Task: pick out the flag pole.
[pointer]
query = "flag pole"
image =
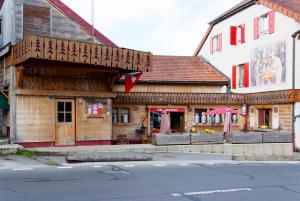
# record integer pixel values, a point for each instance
(93, 29)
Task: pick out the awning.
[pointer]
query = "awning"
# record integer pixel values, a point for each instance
(3, 102)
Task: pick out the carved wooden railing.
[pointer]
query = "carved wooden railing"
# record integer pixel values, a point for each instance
(273, 97)
(54, 49)
(179, 98)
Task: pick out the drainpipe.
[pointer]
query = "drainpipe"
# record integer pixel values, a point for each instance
(293, 88)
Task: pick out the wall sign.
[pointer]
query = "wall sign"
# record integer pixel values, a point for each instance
(167, 110)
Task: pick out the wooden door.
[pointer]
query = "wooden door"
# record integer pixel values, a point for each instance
(65, 123)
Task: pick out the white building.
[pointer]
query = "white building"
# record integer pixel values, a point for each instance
(252, 44)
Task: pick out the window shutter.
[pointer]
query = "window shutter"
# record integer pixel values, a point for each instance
(243, 34)
(256, 28)
(246, 75)
(220, 42)
(233, 30)
(233, 76)
(271, 22)
(211, 45)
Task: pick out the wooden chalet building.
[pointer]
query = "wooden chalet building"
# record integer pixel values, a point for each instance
(57, 82)
(257, 45)
(185, 86)
(61, 87)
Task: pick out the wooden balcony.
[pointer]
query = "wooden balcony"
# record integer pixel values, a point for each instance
(70, 51)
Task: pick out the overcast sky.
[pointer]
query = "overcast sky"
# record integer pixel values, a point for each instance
(168, 27)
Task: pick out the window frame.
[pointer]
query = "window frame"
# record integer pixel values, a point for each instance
(263, 24)
(241, 71)
(197, 110)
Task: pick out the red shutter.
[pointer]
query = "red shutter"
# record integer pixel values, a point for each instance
(271, 22)
(211, 45)
(233, 30)
(220, 42)
(246, 75)
(256, 28)
(233, 76)
(243, 34)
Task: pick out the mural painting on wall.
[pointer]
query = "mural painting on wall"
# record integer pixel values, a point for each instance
(268, 64)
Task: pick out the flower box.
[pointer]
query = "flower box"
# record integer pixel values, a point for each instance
(277, 137)
(203, 138)
(171, 139)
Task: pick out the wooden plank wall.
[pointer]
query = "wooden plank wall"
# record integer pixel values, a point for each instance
(91, 128)
(285, 113)
(137, 113)
(35, 119)
(170, 88)
(61, 83)
(36, 20)
(61, 26)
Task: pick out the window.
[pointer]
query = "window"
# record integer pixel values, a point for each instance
(125, 115)
(199, 117)
(241, 71)
(240, 76)
(64, 112)
(216, 43)
(121, 115)
(234, 118)
(95, 108)
(264, 24)
(115, 115)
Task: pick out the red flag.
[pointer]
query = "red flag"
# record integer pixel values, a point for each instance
(130, 80)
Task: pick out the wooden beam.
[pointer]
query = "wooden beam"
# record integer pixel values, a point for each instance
(63, 93)
(19, 76)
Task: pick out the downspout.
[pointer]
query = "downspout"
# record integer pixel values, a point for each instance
(293, 88)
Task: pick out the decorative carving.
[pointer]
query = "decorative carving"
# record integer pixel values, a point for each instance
(80, 52)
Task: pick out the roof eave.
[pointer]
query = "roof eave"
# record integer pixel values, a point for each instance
(232, 12)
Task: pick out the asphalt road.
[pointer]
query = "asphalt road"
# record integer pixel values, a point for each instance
(153, 182)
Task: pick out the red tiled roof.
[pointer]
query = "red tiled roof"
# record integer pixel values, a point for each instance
(182, 69)
(74, 16)
(290, 8)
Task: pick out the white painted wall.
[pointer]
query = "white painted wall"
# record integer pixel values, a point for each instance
(297, 125)
(297, 62)
(6, 13)
(241, 53)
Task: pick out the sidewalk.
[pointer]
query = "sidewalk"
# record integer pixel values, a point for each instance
(260, 149)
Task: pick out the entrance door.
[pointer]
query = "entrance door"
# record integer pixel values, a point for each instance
(65, 124)
(177, 121)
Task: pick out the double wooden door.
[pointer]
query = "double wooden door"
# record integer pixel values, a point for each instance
(65, 122)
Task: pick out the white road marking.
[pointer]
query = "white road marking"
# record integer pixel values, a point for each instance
(97, 166)
(22, 169)
(212, 192)
(159, 165)
(184, 164)
(65, 167)
(129, 165)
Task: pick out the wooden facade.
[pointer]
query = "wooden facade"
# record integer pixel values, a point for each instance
(76, 52)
